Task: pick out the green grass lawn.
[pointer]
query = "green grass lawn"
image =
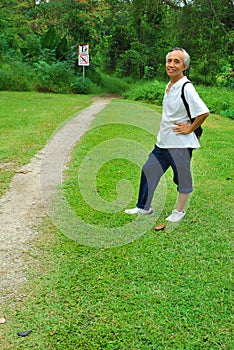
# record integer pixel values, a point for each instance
(165, 290)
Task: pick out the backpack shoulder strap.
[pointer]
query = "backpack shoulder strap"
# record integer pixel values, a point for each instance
(184, 99)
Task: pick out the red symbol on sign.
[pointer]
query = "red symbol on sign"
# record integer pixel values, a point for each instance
(83, 60)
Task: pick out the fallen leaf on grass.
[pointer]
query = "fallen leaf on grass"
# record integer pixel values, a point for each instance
(53, 333)
(2, 320)
(160, 227)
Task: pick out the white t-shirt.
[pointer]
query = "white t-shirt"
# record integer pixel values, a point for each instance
(174, 111)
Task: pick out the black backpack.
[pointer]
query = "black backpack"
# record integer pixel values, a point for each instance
(199, 130)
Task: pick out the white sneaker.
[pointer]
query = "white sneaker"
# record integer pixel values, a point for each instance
(139, 211)
(176, 216)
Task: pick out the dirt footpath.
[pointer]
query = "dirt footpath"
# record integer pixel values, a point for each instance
(21, 208)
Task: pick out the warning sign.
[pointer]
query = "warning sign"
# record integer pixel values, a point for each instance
(83, 60)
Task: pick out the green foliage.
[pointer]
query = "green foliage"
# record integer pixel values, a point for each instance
(149, 73)
(50, 39)
(16, 76)
(147, 91)
(127, 38)
(52, 43)
(226, 75)
(219, 101)
(212, 71)
(78, 21)
(92, 73)
(113, 85)
(204, 29)
(136, 36)
(55, 77)
(62, 49)
(228, 113)
(226, 79)
(31, 48)
(129, 64)
(82, 86)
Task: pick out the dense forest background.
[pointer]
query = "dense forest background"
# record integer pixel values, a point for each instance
(128, 40)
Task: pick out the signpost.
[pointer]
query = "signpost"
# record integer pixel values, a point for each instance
(83, 56)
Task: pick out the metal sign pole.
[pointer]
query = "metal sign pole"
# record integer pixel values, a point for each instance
(83, 73)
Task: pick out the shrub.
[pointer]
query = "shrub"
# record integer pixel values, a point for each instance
(150, 92)
(226, 74)
(82, 86)
(219, 101)
(113, 85)
(92, 73)
(228, 113)
(226, 79)
(16, 76)
(56, 77)
(6, 80)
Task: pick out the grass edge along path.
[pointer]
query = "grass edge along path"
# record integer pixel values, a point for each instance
(163, 291)
(28, 119)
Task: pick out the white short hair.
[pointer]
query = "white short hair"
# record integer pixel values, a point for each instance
(186, 55)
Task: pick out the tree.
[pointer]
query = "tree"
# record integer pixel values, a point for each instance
(135, 36)
(14, 25)
(126, 37)
(205, 29)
